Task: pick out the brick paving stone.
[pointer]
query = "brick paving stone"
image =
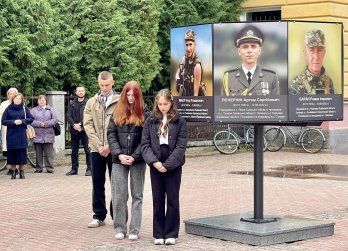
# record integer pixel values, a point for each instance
(51, 211)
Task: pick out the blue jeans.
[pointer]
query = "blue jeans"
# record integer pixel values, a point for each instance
(75, 143)
(99, 166)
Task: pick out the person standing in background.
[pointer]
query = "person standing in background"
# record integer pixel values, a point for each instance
(75, 120)
(10, 94)
(44, 120)
(96, 118)
(16, 117)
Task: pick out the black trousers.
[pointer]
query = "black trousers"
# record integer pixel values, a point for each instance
(165, 194)
(99, 166)
(75, 143)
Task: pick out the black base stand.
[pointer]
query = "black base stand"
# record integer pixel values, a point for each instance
(285, 229)
(252, 229)
(258, 221)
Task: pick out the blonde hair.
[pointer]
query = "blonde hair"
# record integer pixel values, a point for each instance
(14, 89)
(105, 75)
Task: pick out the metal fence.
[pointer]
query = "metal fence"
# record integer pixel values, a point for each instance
(198, 131)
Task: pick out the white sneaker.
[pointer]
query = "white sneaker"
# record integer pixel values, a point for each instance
(158, 242)
(96, 223)
(119, 236)
(132, 237)
(170, 241)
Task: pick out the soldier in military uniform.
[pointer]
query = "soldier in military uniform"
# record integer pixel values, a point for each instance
(249, 78)
(190, 72)
(313, 81)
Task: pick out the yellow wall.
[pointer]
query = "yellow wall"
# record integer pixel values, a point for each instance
(310, 10)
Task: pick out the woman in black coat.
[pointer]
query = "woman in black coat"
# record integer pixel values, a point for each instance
(163, 148)
(16, 117)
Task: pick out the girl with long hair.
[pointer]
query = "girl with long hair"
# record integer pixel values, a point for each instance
(163, 148)
(124, 137)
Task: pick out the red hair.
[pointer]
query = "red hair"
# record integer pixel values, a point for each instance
(124, 113)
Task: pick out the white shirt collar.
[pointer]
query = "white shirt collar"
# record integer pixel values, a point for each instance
(109, 98)
(252, 71)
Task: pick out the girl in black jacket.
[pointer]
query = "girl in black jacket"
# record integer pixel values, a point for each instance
(124, 137)
(163, 148)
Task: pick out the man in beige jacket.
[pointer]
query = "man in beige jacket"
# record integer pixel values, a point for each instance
(97, 114)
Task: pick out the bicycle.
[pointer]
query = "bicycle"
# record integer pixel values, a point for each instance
(228, 141)
(31, 157)
(311, 139)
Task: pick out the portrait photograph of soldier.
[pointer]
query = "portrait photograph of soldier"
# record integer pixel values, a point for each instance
(312, 46)
(191, 61)
(250, 59)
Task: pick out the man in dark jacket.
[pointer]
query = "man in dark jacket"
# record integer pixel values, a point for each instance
(75, 120)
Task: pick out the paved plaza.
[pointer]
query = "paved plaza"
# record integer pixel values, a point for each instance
(51, 211)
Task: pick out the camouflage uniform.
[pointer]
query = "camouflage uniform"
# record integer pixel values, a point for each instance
(307, 83)
(185, 83)
(264, 82)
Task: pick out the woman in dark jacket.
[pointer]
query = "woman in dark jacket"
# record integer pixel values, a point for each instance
(16, 117)
(124, 137)
(163, 148)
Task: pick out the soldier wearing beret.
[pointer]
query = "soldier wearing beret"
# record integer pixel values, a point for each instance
(313, 81)
(249, 78)
(190, 72)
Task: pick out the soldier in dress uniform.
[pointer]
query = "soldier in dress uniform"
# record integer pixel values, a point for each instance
(249, 78)
(190, 72)
(313, 81)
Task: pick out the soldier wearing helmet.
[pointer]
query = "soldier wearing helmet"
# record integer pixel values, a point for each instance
(249, 78)
(313, 81)
(190, 72)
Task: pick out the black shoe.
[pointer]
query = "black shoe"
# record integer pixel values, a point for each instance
(50, 171)
(10, 171)
(21, 174)
(13, 175)
(38, 171)
(88, 173)
(71, 172)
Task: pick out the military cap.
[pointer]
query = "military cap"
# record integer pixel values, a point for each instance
(314, 38)
(190, 35)
(249, 34)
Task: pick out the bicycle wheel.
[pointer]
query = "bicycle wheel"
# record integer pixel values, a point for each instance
(250, 138)
(312, 140)
(3, 163)
(226, 142)
(31, 155)
(275, 138)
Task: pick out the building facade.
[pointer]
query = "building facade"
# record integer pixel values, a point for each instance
(311, 10)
